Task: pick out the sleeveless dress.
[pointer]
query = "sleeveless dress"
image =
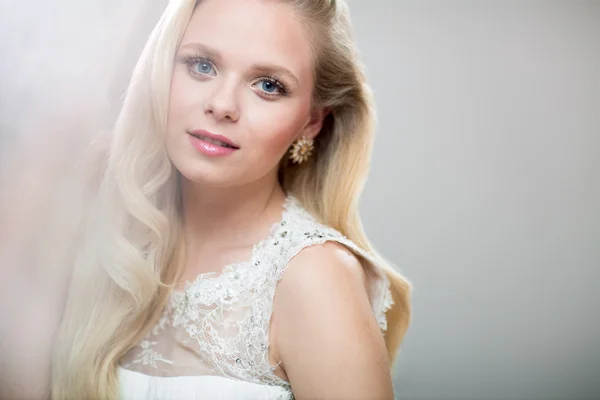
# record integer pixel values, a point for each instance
(212, 339)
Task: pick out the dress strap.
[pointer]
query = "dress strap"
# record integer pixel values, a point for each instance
(302, 230)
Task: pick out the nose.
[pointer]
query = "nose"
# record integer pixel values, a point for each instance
(222, 104)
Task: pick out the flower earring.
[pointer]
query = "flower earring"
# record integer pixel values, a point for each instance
(302, 149)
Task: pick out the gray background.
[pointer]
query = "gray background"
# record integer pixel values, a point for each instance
(485, 191)
(485, 181)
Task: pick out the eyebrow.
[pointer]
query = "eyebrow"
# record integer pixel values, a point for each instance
(275, 70)
(259, 68)
(211, 53)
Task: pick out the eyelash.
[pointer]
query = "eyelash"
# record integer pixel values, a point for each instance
(191, 59)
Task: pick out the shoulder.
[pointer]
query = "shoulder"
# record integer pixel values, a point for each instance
(326, 335)
(324, 284)
(317, 266)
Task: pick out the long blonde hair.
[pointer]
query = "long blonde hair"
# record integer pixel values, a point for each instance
(131, 254)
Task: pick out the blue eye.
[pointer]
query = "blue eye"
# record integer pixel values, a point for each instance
(271, 87)
(203, 67)
(268, 86)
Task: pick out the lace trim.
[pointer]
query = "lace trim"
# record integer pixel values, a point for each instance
(324, 234)
(234, 270)
(225, 318)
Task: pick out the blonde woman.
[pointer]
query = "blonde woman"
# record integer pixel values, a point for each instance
(224, 257)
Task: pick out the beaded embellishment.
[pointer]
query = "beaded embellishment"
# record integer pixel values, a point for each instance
(220, 323)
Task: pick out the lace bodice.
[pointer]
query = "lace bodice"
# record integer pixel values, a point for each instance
(219, 324)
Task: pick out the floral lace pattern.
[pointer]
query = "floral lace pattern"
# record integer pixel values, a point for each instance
(219, 324)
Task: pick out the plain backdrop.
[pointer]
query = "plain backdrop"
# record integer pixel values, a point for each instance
(485, 181)
(485, 191)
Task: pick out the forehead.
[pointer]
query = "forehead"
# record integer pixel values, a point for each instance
(252, 31)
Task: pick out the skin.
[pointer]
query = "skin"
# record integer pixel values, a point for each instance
(321, 308)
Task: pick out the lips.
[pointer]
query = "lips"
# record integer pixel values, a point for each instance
(217, 140)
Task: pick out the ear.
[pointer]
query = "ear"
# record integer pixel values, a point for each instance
(315, 122)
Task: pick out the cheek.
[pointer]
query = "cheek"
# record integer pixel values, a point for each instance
(183, 98)
(275, 128)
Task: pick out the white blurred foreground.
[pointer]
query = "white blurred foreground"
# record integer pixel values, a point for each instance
(63, 69)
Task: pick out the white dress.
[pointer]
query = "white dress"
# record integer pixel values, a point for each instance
(212, 339)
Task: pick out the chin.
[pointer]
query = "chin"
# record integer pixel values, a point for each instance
(210, 177)
(217, 173)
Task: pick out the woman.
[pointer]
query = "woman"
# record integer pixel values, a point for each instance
(226, 258)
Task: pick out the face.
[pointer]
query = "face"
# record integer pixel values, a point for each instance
(240, 92)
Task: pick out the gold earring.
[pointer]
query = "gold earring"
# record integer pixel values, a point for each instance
(302, 149)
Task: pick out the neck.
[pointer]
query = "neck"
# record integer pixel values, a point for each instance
(232, 214)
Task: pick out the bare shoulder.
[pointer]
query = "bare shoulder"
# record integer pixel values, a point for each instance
(324, 264)
(325, 333)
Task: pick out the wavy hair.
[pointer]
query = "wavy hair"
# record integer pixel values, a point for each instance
(131, 253)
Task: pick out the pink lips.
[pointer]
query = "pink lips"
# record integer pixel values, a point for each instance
(211, 144)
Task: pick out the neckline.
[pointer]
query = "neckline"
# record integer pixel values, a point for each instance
(231, 268)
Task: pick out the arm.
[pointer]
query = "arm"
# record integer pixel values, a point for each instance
(325, 334)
